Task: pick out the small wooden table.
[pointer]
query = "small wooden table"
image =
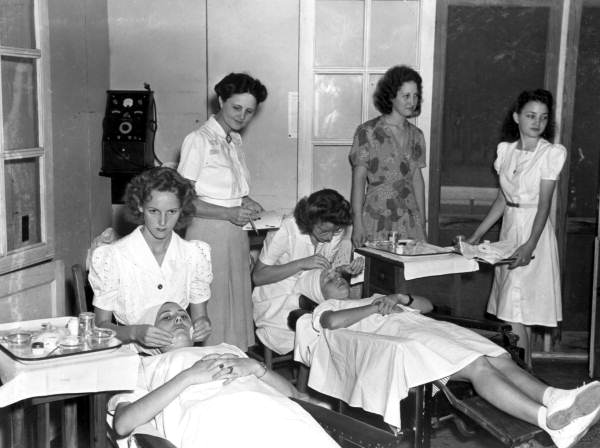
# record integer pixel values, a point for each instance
(40, 382)
(385, 275)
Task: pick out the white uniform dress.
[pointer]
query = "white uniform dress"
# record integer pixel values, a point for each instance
(218, 169)
(273, 302)
(528, 294)
(127, 279)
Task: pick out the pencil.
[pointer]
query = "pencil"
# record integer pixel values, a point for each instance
(253, 226)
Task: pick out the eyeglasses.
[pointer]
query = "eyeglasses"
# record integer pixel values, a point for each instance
(336, 230)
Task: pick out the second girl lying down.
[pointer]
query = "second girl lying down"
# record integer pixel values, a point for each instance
(412, 349)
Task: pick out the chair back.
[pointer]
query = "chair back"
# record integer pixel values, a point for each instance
(79, 281)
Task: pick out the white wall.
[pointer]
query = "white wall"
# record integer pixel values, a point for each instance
(183, 47)
(162, 43)
(254, 36)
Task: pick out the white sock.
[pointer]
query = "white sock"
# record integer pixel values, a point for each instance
(541, 417)
(551, 394)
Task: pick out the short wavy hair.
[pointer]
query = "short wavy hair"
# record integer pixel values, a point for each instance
(510, 129)
(236, 83)
(139, 191)
(388, 86)
(325, 205)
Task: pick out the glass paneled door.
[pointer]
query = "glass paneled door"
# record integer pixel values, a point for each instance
(345, 47)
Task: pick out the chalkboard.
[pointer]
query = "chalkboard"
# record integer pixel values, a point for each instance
(493, 52)
(584, 152)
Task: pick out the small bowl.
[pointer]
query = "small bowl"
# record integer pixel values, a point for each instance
(101, 337)
(71, 343)
(19, 338)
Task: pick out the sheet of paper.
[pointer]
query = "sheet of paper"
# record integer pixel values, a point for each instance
(269, 219)
(358, 278)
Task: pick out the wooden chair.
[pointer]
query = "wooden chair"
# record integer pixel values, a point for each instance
(345, 430)
(99, 401)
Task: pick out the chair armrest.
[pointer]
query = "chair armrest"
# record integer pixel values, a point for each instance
(479, 324)
(343, 428)
(148, 441)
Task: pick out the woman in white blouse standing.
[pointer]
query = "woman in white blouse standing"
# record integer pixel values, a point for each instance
(212, 157)
(153, 265)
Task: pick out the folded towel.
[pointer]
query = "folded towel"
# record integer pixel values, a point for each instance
(489, 252)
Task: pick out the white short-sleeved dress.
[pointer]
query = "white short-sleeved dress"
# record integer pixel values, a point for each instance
(127, 279)
(218, 169)
(528, 294)
(273, 302)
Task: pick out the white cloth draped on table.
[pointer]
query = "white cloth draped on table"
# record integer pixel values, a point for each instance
(373, 363)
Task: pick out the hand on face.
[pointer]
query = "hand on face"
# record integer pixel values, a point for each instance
(314, 262)
(173, 320)
(334, 286)
(202, 329)
(151, 336)
(355, 267)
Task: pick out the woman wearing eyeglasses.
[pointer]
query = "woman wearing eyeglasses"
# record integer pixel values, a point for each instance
(314, 238)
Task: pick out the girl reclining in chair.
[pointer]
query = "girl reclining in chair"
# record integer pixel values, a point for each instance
(211, 396)
(405, 349)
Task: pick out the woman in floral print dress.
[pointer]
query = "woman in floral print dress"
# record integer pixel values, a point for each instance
(387, 156)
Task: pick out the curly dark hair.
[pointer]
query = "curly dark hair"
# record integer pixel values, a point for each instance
(236, 83)
(510, 129)
(139, 191)
(388, 86)
(322, 206)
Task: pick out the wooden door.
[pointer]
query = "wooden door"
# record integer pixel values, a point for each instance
(578, 187)
(486, 53)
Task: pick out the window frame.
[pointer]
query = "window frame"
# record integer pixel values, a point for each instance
(43, 250)
(306, 81)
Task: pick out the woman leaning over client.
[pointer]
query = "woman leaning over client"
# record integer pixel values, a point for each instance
(387, 155)
(527, 292)
(314, 238)
(212, 157)
(152, 264)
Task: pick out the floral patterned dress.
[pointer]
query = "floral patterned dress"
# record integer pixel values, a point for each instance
(391, 154)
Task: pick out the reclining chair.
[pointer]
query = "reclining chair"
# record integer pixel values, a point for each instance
(420, 412)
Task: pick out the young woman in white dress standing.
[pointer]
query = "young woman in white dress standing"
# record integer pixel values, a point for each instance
(527, 291)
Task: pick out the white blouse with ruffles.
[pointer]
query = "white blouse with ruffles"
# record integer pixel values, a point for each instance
(127, 279)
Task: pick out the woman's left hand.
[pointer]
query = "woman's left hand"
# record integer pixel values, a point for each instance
(233, 368)
(386, 304)
(202, 329)
(250, 203)
(355, 267)
(522, 256)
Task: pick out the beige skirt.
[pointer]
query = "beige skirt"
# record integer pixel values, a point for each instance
(230, 305)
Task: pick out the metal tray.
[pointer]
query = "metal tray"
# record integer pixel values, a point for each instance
(24, 352)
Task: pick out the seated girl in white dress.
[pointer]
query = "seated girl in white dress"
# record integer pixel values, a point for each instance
(152, 264)
(211, 396)
(428, 350)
